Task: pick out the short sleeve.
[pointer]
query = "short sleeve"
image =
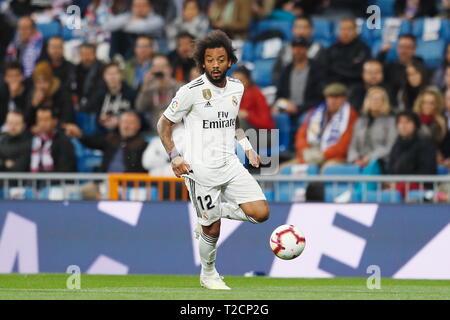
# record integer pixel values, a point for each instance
(180, 105)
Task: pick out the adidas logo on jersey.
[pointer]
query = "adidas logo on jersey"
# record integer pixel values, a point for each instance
(208, 105)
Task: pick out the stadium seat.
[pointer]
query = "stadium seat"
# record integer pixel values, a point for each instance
(419, 26)
(283, 124)
(386, 7)
(341, 169)
(49, 30)
(286, 191)
(323, 31)
(340, 193)
(442, 170)
(87, 122)
(431, 51)
(20, 193)
(262, 72)
(385, 196)
(247, 51)
(285, 27)
(140, 194)
(87, 159)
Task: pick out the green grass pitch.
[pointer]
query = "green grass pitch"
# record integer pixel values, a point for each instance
(53, 286)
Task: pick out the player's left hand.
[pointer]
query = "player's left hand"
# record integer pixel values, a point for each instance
(253, 158)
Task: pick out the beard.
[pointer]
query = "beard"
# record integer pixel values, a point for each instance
(216, 79)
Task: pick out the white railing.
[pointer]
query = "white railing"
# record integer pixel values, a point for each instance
(348, 188)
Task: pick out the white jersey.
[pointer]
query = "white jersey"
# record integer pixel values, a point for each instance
(209, 114)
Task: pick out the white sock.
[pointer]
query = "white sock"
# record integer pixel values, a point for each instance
(234, 212)
(207, 249)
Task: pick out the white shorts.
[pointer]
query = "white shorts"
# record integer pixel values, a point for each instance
(241, 188)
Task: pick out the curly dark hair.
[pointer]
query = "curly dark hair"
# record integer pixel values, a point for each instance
(215, 39)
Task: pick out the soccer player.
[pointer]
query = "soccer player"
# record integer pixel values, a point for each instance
(209, 106)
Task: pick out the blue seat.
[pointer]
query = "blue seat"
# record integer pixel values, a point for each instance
(341, 169)
(442, 170)
(285, 27)
(87, 123)
(431, 51)
(419, 25)
(49, 30)
(323, 31)
(385, 196)
(247, 51)
(87, 159)
(386, 7)
(286, 190)
(377, 34)
(262, 72)
(140, 194)
(283, 124)
(333, 192)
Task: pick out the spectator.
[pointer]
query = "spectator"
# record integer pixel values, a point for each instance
(374, 133)
(231, 16)
(445, 145)
(429, 106)
(372, 76)
(411, 154)
(89, 77)
(62, 69)
(346, 57)
(116, 98)
(440, 76)
(51, 149)
(337, 8)
(262, 8)
(122, 149)
(15, 144)
(285, 10)
(254, 112)
(14, 91)
(192, 21)
(125, 27)
(300, 88)
(6, 37)
(411, 9)
(15, 9)
(416, 81)
(157, 91)
(302, 28)
(395, 71)
(166, 9)
(155, 158)
(325, 135)
(93, 21)
(26, 46)
(136, 67)
(194, 73)
(48, 92)
(181, 58)
(445, 11)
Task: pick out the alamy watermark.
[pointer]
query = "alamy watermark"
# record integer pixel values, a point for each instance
(374, 280)
(73, 282)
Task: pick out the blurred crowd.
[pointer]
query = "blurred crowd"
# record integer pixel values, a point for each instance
(344, 103)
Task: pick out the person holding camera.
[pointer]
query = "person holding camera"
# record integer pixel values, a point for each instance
(157, 91)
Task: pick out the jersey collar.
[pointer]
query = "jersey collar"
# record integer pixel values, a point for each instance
(213, 86)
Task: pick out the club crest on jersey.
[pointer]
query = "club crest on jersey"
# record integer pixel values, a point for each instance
(235, 101)
(207, 94)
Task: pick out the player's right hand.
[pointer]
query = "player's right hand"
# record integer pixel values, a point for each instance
(180, 167)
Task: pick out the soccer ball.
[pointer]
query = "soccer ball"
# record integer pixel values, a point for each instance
(287, 242)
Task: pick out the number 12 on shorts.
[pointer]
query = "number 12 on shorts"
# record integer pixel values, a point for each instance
(207, 200)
